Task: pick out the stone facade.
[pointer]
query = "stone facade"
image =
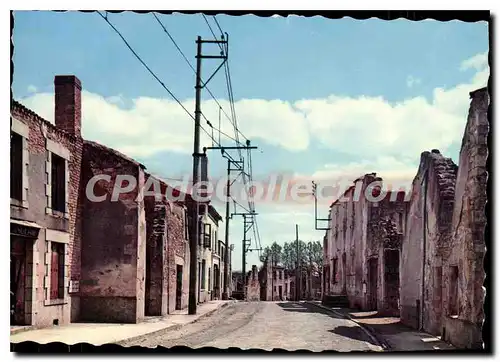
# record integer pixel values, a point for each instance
(444, 246)
(362, 246)
(45, 227)
(276, 283)
(112, 288)
(425, 242)
(253, 285)
(167, 252)
(114, 258)
(208, 243)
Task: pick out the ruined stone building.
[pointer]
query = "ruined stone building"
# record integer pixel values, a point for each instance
(80, 249)
(309, 285)
(167, 252)
(362, 246)
(276, 283)
(113, 252)
(443, 250)
(426, 240)
(253, 285)
(45, 233)
(237, 285)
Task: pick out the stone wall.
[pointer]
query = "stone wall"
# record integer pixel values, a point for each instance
(112, 288)
(467, 248)
(426, 241)
(355, 244)
(253, 285)
(40, 140)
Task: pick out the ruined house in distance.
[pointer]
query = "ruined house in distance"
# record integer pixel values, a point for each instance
(443, 251)
(362, 247)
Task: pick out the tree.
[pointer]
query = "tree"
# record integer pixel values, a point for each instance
(272, 254)
(265, 254)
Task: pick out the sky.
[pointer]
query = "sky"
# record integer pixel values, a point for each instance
(320, 98)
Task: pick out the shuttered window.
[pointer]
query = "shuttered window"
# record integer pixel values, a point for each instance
(57, 271)
(58, 183)
(16, 166)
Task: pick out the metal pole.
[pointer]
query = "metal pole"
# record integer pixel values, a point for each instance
(297, 277)
(195, 234)
(243, 257)
(273, 274)
(225, 293)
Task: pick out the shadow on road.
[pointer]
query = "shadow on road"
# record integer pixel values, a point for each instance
(305, 308)
(351, 332)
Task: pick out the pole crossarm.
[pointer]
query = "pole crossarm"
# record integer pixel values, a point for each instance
(316, 219)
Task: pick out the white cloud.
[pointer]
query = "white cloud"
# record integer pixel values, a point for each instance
(478, 62)
(411, 81)
(364, 127)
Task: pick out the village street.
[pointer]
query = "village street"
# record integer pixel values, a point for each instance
(267, 325)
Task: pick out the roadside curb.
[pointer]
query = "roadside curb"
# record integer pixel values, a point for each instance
(172, 327)
(21, 330)
(370, 332)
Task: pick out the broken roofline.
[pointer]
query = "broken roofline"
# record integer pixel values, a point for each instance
(374, 191)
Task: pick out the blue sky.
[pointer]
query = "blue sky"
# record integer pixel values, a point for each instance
(317, 96)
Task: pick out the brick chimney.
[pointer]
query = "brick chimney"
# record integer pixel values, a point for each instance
(68, 104)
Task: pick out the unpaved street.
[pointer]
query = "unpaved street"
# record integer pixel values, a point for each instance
(267, 325)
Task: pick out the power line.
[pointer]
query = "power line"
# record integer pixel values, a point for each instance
(218, 25)
(225, 134)
(249, 159)
(144, 64)
(173, 41)
(236, 130)
(192, 68)
(153, 74)
(210, 27)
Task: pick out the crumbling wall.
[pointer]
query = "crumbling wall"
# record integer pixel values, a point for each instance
(467, 247)
(113, 245)
(253, 285)
(425, 241)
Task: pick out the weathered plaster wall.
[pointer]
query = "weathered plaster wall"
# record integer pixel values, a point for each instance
(113, 252)
(467, 247)
(253, 285)
(39, 312)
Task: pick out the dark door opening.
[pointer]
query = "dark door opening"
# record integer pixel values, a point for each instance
(216, 282)
(392, 281)
(344, 274)
(372, 283)
(280, 291)
(178, 288)
(17, 281)
(154, 277)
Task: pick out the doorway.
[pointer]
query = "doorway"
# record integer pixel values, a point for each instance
(372, 283)
(392, 280)
(178, 288)
(216, 282)
(344, 274)
(280, 291)
(17, 281)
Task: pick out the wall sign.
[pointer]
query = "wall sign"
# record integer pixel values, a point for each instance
(24, 231)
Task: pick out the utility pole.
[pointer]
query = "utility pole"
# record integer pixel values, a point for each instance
(247, 225)
(297, 275)
(195, 232)
(237, 167)
(225, 293)
(314, 193)
(272, 277)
